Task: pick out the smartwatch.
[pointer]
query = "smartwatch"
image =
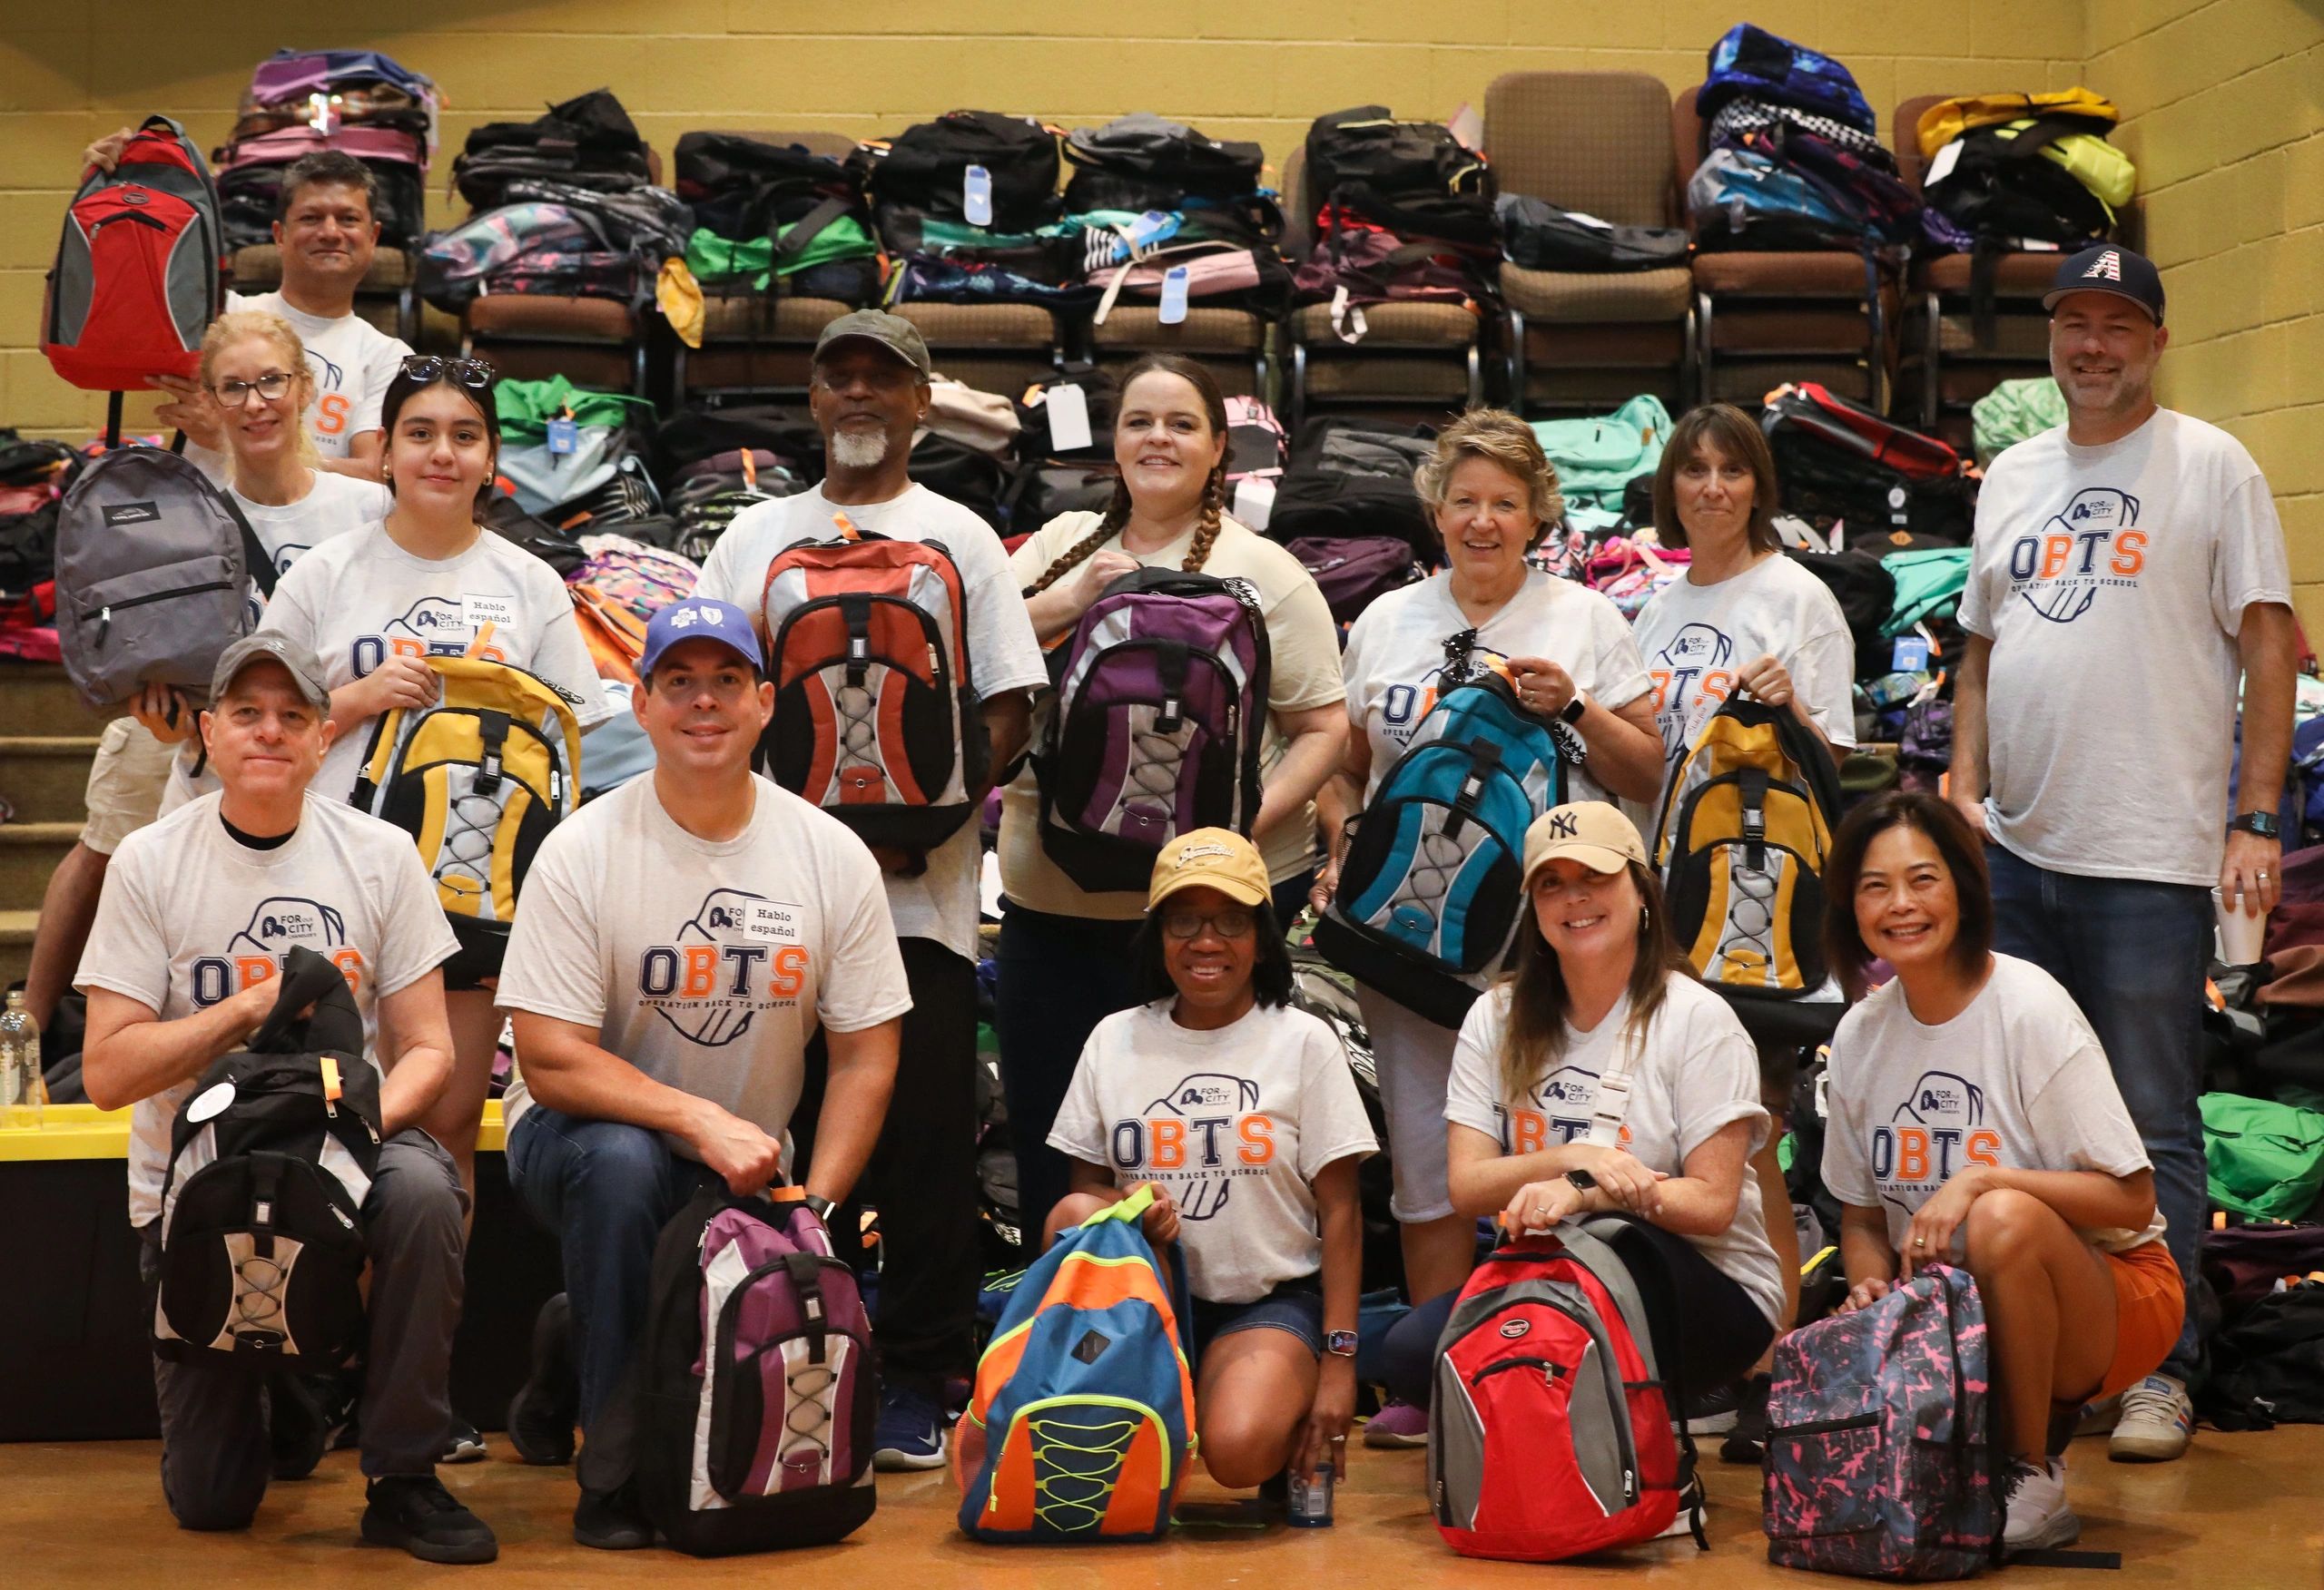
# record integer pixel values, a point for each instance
(1583, 1181)
(819, 1205)
(1340, 1343)
(2262, 823)
(1572, 713)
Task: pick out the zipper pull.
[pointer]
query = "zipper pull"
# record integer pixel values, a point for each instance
(935, 664)
(104, 622)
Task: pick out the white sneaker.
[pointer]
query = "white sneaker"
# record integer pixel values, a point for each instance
(1690, 1502)
(2035, 1516)
(2156, 1424)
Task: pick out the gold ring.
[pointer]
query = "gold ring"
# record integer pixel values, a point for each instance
(1920, 1242)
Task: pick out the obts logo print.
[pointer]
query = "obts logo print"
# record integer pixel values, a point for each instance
(737, 955)
(2091, 543)
(276, 927)
(1937, 1128)
(1206, 1130)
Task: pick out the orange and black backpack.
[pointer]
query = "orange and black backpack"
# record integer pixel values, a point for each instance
(876, 716)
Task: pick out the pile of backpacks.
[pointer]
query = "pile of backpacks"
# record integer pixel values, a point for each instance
(564, 204)
(360, 103)
(1396, 213)
(967, 207)
(776, 219)
(33, 475)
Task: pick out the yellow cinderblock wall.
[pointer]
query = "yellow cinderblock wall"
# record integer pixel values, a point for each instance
(2223, 99)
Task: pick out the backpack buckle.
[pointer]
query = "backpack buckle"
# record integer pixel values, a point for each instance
(488, 774)
(859, 658)
(1167, 721)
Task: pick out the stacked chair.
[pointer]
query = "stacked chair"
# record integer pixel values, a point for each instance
(1599, 297)
(2030, 176)
(360, 103)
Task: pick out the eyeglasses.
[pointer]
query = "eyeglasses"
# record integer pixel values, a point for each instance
(1185, 925)
(1460, 656)
(270, 387)
(473, 372)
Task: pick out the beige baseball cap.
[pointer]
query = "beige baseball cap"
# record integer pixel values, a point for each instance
(1592, 832)
(1214, 858)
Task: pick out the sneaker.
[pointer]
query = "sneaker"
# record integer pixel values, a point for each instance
(546, 1406)
(1747, 1441)
(1690, 1507)
(465, 1447)
(2156, 1424)
(611, 1521)
(1713, 1412)
(1397, 1424)
(2099, 1417)
(295, 1430)
(2034, 1515)
(910, 1433)
(416, 1513)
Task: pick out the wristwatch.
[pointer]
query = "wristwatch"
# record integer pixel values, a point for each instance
(820, 1205)
(1583, 1181)
(1572, 710)
(1340, 1343)
(2262, 823)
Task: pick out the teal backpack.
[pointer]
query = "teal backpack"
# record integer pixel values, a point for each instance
(1596, 458)
(1082, 1426)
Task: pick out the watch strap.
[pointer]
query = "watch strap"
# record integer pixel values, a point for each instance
(1340, 1343)
(820, 1206)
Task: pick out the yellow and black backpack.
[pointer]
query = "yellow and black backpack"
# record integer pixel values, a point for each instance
(478, 777)
(1745, 827)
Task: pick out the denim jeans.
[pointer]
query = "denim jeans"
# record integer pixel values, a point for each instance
(606, 1189)
(2133, 955)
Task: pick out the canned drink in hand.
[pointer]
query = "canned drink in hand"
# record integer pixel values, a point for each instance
(1308, 1505)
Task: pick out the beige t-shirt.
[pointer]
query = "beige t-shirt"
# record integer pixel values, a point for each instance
(1303, 652)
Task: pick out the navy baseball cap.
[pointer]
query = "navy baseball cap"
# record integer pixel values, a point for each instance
(2110, 268)
(701, 618)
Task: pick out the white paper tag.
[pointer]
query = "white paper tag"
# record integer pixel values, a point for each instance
(480, 611)
(1254, 502)
(212, 1101)
(1174, 296)
(771, 921)
(1069, 410)
(976, 196)
(1941, 166)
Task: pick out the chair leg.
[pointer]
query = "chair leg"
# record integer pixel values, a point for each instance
(1932, 387)
(1688, 395)
(1515, 363)
(1476, 376)
(1298, 387)
(1703, 358)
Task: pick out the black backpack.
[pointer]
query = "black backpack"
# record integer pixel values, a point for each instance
(1141, 162)
(1415, 178)
(1537, 235)
(588, 141)
(1838, 459)
(1351, 478)
(2001, 188)
(1099, 394)
(1867, 593)
(978, 481)
(743, 186)
(925, 167)
(270, 1158)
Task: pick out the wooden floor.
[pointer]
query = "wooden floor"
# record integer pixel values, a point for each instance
(2241, 1512)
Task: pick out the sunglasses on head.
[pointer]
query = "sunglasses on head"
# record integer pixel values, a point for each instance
(472, 373)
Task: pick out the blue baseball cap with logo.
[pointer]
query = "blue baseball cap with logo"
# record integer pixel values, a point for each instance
(701, 618)
(2109, 268)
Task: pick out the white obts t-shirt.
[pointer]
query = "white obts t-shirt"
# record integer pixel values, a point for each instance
(359, 597)
(2016, 1080)
(1695, 1072)
(1235, 1123)
(941, 903)
(351, 362)
(708, 966)
(2111, 581)
(1394, 664)
(191, 915)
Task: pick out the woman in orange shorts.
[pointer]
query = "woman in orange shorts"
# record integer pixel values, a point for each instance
(1974, 1121)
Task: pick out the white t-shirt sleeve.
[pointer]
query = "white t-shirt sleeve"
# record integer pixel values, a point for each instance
(1715, 1080)
(1472, 1093)
(1824, 671)
(1332, 1122)
(555, 965)
(2249, 564)
(1001, 647)
(1618, 672)
(1353, 665)
(1846, 1172)
(1976, 614)
(291, 611)
(2078, 1116)
(863, 983)
(383, 356)
(414, 937)
(125, 953)
(1079, 1130)
(718, 579)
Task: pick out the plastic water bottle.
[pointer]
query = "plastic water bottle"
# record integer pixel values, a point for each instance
(23, 1090)
(1308, 1504)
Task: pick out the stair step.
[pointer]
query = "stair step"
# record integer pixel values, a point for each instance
(16, 945)
(29, 852)
(46, 777)
(36, 698)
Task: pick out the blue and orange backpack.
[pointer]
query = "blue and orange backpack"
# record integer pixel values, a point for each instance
(1082, 1426)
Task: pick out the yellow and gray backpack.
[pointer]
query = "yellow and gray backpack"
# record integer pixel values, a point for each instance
(1746, 828)
(478, 777)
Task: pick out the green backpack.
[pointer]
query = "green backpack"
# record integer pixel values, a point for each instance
(1596, 458)
(2013, 411)
(2266, 1159)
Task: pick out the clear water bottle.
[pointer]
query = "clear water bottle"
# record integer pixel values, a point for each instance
(1308, 1505)
(21, 1088)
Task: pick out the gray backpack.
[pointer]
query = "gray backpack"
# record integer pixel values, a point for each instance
(152, 567)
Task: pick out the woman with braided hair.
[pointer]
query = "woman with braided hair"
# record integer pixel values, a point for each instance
(1065, 959)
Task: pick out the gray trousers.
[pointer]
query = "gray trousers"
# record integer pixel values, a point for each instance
(215, 1455)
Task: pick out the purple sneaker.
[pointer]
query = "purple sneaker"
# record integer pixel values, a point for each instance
(1397, 1424)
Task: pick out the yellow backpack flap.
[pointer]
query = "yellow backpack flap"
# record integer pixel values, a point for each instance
(1946, 120)
(477, 778)
(2093, 161)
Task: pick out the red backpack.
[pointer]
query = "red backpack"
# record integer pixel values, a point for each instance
(139, 272)
(876, 718)
(1550, 1432)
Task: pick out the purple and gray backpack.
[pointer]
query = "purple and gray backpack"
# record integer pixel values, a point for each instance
(1155, 731)
(758, 1392)
(1880, 1461)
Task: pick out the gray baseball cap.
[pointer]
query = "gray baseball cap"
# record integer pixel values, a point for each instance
(893, 332)
(306, 669)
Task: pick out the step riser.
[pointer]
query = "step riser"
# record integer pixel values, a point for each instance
(24, 870)
(46, 786)
(37, 699)
(16, 962)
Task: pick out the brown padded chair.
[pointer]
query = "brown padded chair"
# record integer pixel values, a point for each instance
(1418, 359)
(1763, 317)
(1599, 143)
(1943, 362)
(387, 296)
(758, 345)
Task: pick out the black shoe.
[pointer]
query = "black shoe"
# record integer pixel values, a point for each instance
(546, 1406)
(295, 1429)
(1713, 1412)
(611, 1520)
(1747, 1441)
(417, 1513)
(464, 1445)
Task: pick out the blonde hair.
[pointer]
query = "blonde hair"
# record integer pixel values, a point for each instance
(1505, 441)
(236, 325)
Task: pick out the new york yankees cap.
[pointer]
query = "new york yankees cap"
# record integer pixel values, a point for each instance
(2110, 268)
(1593, 833)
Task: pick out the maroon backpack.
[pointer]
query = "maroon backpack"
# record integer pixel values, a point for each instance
(139, 271)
